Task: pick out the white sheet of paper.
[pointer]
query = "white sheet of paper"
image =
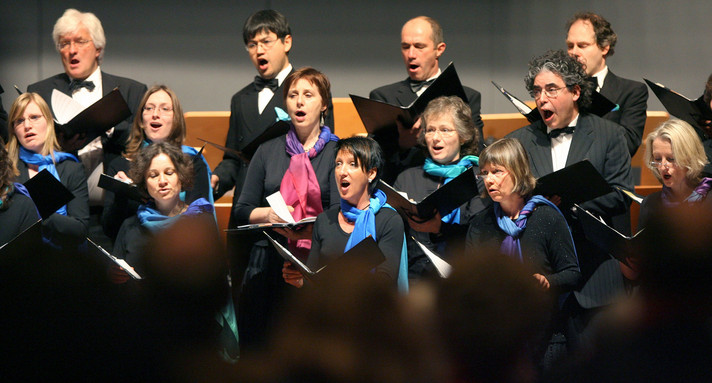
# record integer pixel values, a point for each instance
(127, 268)
(65, 108)
(276, 202)
(443, 268)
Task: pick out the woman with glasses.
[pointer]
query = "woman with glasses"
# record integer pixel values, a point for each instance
(450, 138)
(33, 147)
(299, 165)
(160, 119)
(676, 157)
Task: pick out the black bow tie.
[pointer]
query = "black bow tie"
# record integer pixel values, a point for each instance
(416, 86)
(76, 85)
(557, 132)
(261, 83)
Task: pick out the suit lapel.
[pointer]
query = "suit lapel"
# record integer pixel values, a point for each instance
(61, 83)
(540, 151)
(610, 87)
(108, 83)
(405, 95)
(581, 141)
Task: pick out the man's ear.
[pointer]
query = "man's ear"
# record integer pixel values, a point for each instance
(287, 43)
(440, 49)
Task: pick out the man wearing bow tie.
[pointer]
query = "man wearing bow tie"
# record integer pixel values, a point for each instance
(80, 41)
(421, 46)
(567, 134)
(268, 40)
(591, 40)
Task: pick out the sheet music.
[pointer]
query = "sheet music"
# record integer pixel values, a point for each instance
(276, 202)
(443, 268)
(65, 108)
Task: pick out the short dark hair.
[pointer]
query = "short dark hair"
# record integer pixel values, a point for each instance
(266, 20)
(316, 78)
(707, 96)
(605, 37)
(366, 152)
(568, 68)
(142, 162)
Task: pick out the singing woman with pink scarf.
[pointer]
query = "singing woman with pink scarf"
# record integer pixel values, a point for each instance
(300, 165)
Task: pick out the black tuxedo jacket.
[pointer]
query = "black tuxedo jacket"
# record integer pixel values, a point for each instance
(602, 143)
(131, 90)
(632, 99)
(246, 123)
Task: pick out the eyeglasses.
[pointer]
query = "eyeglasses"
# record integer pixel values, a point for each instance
(160, 109)
(266, 44)
(444, 132)
(33, 119)
(549, 92)
(667, 164)
(63, 45)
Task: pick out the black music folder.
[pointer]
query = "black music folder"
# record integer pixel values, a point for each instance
(575, 183)
(124, 188)
(277, 129)
(47, 193)
(694, 112)
(27, 242)
(93, 248)
(609, 239)
(377, 115)
(600, 105)
(96, 118)
(365, 255)
(445, 199)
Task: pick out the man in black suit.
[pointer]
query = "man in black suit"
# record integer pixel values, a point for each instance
(421, 46)
(268, 40)
(80, 41)
(591, 40)
(566, 134)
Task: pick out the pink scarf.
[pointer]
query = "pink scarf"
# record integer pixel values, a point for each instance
(300, 187)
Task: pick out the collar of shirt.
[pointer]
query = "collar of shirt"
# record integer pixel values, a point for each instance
(601, 77)
(266, 94)
(419, 92)
(85, 97)
(560, 147)
(572, 123)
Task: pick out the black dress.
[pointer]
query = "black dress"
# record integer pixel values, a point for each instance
(450, 241)
(18, 213)
(263, 288)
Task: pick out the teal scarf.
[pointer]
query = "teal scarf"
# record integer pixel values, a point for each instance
(449, 172)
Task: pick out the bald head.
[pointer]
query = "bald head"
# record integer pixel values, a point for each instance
(421, 46)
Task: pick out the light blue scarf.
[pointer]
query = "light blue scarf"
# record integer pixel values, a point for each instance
(365, 225)
(449, 172)
(152, 219)
(46, 162)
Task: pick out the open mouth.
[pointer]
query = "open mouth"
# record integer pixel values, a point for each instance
(413, 67)
(29, 135)
(547, 114)
(74, 61)
(156, 125)
(300, 113)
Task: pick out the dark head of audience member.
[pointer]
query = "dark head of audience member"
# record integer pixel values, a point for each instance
(160, 120)
(492, 316)
(541, 80)
(268, 40)
(162, 171)
(674, 153)
(80, 41)
(449, 131)
(34, 132)
(592, 56)
(348, 328)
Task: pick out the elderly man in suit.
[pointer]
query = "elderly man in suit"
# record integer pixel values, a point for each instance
(80, 41)
(566, 134)
(422, 45)
(591, 40)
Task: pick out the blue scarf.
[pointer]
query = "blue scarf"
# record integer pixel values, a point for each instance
(46, 162)
(365, 225)
(515, 229)
(152, 219)
(189, 150)
(449, 172)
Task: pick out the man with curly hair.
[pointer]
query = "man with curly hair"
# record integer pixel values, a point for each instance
(567, 134)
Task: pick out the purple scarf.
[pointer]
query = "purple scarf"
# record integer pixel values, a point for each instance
(697, 195)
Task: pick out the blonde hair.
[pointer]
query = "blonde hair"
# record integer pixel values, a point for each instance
(686, 148)
(510, 154)
(138, 132)
(16, 111)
